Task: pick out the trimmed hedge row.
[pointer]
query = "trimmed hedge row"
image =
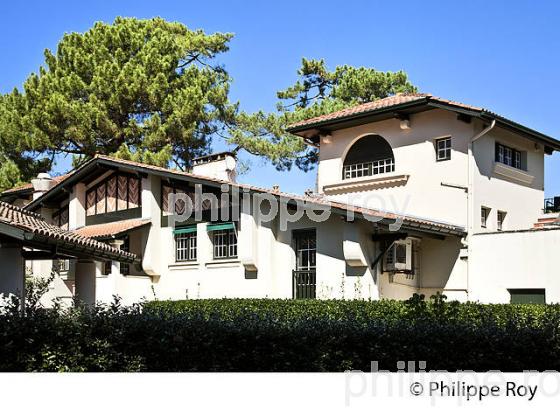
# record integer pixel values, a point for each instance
(282, 335)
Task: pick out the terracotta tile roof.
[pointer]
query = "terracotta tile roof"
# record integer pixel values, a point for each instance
(378, 105)
(409, 221)
(57, 180)
(33, 223)
(112, 228)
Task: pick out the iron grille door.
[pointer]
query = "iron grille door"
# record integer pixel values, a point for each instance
(304, 276)
(304, 284)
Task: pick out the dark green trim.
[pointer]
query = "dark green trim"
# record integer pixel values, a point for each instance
(527, 296)
(220, 226)
(185, 229)
(114, 216)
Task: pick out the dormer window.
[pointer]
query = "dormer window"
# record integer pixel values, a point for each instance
(511, 157)
(370, 155)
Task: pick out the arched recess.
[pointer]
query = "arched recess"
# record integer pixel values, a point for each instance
(370, 155)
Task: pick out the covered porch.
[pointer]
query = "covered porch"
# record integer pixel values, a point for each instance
(25, 236)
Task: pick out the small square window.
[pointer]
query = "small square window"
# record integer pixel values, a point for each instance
(484, 212)
(443, 149)
(500, 220)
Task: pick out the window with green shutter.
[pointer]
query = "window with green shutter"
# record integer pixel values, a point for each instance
(523, 296)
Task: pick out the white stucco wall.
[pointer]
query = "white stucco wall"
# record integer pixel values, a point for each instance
(345, 251)
(423, 195)
(523, 202)
(12, 272)
(510, 260)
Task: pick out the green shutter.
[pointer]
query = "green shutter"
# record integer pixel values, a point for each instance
(220, 226)
(522, 296)
(185, 229)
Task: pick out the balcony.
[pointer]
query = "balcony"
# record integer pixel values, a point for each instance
(552, 205)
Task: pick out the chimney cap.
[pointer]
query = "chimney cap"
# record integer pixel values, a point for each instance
(43, 175)
(213, 157)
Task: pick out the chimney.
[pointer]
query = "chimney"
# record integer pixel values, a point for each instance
(221, 165)
(41, 184)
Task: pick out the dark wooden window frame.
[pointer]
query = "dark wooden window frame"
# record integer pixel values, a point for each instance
(304, 279)
(230, 241)
(515, 154)
(187, 252)
(444, 149)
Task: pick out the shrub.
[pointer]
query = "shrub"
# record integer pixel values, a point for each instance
(282, 335)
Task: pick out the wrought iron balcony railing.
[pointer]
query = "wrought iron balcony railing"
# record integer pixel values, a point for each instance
(552, 205)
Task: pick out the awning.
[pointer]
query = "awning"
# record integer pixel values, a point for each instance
(220, 226)
(185, 229)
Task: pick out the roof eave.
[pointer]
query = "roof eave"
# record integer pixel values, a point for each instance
(482, 114)
(34, 239)
(365, 114)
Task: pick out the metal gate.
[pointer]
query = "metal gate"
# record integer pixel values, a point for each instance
(304, 284)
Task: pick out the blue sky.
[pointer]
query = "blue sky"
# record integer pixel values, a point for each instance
(502, 55)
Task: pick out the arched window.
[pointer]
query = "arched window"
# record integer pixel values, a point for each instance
(370, 155)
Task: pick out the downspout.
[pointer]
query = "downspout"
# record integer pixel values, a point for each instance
(470, 199)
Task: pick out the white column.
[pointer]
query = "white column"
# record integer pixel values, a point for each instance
(247, 246)
(154, 258)
(12, 272)
(77, 207)
(85, 282)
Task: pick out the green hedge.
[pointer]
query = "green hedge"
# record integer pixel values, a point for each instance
(283, 335)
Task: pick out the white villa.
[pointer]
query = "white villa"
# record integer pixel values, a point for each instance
(415, 194)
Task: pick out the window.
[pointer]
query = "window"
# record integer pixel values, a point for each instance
(185, 244)
(443, 149)
(61, 265)
(225, 243)
(500, 220)
(60, 217)
(369, 168)
(531, 296)
(509, 156)
(107, 267)
(370, 155)
(117, 192)
(484, 212)
(125, 267)
(306, 249)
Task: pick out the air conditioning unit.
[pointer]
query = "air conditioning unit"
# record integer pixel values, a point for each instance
(399, 256)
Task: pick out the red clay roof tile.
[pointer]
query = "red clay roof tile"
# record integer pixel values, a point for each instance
(34, 223)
